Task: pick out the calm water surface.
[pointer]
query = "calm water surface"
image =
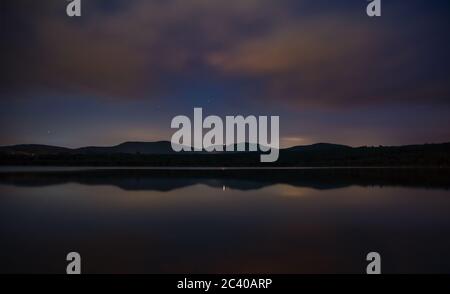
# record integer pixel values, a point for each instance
(137, 221)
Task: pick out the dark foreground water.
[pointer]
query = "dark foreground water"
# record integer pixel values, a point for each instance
(225, 221)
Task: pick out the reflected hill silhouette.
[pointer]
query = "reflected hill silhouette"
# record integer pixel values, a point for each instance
(153, 154)
(240, 179)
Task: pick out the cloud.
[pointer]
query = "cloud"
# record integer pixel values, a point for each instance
(134, 51)
(146, 49)
(334, 61)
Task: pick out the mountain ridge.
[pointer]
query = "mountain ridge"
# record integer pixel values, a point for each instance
(160, 153)
(164, 147)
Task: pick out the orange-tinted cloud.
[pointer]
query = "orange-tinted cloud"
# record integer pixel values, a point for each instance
(333, 61)
(143, 49)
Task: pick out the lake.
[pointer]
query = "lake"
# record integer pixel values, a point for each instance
(132, 220)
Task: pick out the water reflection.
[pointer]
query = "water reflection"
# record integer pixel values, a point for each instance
(169, 179)
(143, 221)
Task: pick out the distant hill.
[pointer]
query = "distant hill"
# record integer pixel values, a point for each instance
(161, 147)
(323, 147)
(33, 149)
(161, 154)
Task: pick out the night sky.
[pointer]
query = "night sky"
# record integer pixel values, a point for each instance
(124, 69)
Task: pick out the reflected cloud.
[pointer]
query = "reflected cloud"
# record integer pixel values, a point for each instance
(240, 179)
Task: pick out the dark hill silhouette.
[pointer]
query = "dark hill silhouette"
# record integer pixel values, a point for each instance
(161, 154)
(33, 149)
(161, 147)
(324, 147)
(170, 179)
